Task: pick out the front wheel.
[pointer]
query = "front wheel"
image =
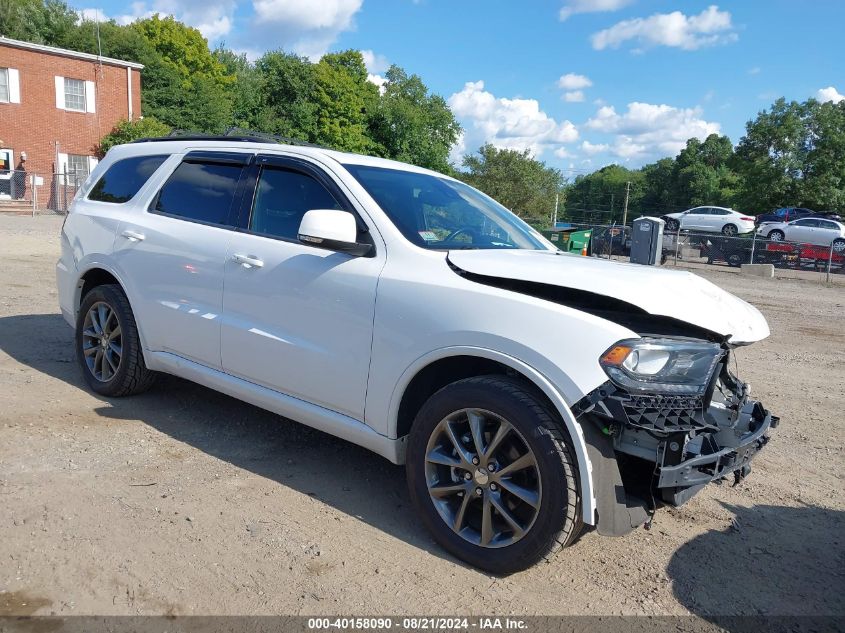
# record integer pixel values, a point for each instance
(730, 230)
(492, 475)
(839, 245)
(672, 225)
(108, 346)
(777, 236)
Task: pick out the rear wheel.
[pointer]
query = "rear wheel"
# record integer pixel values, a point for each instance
(492, 474)
(839, 245)
(777, 235)
(107, 344)
(730, 230)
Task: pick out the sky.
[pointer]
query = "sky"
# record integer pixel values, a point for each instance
(579, 83)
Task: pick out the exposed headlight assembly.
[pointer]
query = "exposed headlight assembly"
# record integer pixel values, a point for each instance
(662, 365)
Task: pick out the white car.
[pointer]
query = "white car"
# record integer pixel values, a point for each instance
(407, 312)
(710, 220)
(818, 231)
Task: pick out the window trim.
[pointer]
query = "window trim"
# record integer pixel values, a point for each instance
(84, 107)
(306, 168)
(209, 158)
(8, 98)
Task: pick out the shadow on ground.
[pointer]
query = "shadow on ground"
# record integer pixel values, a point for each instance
(347, 477)
(759, 565)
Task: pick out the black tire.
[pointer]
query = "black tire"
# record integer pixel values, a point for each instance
(730, 230)
(557, 520)
(776, 235)
(838, 245)
(131, 375)
(672, 225)
(735, 260)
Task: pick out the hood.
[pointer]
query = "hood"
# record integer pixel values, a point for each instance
(675, 294)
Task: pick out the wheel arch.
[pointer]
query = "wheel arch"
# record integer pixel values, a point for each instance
(436, 369)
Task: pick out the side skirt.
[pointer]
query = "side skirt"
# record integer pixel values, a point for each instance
(312, 415)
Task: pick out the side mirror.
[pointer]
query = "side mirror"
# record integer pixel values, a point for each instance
(332, 229)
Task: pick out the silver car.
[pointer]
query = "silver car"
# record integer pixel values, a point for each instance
(818, 231)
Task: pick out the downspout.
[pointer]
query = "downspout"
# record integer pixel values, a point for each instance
(129, 89)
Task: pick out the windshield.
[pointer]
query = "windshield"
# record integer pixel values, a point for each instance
(439, 213)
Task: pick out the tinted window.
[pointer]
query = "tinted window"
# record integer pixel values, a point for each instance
(200, 191)
(807, 222)
(828, 225)
(282, 198)
(125, 178)
(715, 211)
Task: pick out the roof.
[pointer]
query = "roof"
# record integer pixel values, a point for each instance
(63, 52)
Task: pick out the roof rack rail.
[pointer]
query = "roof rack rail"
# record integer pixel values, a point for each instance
(231, 134)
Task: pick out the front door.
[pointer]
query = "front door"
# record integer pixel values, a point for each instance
(802, 231)
(298, 319)
(7, 165)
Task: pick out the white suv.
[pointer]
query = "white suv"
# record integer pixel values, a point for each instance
(528, 391)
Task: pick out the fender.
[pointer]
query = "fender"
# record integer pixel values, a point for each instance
(86, 265)
(576, 433)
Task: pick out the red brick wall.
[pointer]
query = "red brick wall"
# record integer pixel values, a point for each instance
(35, 124)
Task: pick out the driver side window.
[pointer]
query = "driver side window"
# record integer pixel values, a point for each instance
(282, 198)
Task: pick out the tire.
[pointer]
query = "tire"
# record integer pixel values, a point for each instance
(735, 260)
(548, 510)
(730, 230)
(838, 245)
(672, 224)
(777, 235)
(115, 367)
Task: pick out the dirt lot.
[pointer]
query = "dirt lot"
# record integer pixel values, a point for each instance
(184, 501)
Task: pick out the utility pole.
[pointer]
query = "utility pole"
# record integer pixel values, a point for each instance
(625, 208)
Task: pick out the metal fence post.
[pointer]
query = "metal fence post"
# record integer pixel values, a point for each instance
(753, 244)
(677, 243)
(829, 262)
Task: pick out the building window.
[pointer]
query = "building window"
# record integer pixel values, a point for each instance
(4, 85)
(77, 168)
(74, 94)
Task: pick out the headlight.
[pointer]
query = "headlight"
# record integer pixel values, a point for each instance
(657, 365)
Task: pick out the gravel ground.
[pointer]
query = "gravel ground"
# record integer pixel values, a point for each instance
(185, 501)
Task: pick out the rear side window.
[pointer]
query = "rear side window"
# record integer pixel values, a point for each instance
(125, 178)
(282, 198)
(200, 191)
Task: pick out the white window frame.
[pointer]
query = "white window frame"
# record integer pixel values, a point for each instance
(89, 100)
(81, 84)
(7, 98)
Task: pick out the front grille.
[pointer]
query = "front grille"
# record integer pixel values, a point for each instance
(665, 413)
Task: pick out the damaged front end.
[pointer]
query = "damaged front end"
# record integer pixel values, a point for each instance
(653, 442)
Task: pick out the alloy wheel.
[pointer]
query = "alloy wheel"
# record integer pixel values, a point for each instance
(102, 341)
(483, 478)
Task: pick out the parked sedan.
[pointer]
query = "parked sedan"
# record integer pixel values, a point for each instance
(710, 220)
(816, 231)
(787, 214)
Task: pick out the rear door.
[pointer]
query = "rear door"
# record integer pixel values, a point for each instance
(172, 255)
(298, 319)
(827, 232)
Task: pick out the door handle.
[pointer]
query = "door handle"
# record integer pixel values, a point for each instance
(133, 235)
(248, 261)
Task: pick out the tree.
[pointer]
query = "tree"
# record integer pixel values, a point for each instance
(599, 196)
(702, 173)
(521, 183)
(412, 125)
(37, 21)
(128, 131)
(288, 83)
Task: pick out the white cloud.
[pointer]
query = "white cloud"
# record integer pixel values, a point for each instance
(571, 81)
(375, 63)
(647, 130)
(594, 148)
(575, 96)
(517, 124)
(456, 154)
(590, 6)
(708, 28)
(829, 94)
(308, 27)
(212, 18)
(378, 80)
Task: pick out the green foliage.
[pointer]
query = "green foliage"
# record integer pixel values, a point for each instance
(412, 125)
(181, 47)
(128, 131)
(524, 185)
(36, 21)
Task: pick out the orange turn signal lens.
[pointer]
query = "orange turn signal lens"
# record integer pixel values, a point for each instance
(616, 355)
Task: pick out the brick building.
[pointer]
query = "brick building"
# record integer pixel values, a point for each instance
(55, 106)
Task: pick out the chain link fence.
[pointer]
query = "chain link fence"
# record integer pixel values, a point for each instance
(22, 191)
(699, 249)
